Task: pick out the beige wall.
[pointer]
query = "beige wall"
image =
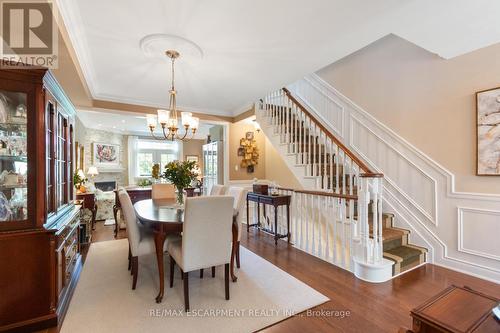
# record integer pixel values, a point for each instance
(236, 132)
(277, 170)
(193, 147)
(427, 100)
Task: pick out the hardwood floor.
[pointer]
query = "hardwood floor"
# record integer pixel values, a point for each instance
(366, 307)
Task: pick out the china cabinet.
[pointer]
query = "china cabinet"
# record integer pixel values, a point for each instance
(39, 224)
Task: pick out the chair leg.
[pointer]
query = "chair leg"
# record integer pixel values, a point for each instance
(129, 257)
(135, 271)
(226, 279)
(201, 273)
(238, 255)
(172, 268)
(213, 271)
(186, 291)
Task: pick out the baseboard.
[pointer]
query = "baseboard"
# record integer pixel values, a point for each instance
(31, 325)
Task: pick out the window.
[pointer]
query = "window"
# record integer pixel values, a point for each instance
(152, 152)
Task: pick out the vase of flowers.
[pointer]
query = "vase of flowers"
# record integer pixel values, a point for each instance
(180, 174)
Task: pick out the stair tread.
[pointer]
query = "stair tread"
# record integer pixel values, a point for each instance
(405, 252)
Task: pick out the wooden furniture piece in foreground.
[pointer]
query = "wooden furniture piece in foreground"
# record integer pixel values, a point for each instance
(88, 202)
(136, 193)
(39, 252)
(456, 309)
(165, 219)
(275, 201)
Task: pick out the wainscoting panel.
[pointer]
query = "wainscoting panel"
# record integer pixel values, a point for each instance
(419, 191)
(473, 221)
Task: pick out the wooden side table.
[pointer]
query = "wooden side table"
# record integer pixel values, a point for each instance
(275, 201)
(89, 202)
(456, 309)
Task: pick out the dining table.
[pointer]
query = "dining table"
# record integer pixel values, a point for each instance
(165, 217)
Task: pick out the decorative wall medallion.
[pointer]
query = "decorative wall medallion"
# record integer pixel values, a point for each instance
(249, 152)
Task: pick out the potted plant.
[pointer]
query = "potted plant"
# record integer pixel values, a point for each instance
(180, 174)
(79, 180)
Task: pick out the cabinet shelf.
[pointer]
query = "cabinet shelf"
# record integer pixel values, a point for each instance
(11, 187)
(12, 158)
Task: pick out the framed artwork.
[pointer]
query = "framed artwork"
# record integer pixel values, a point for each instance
(106, 155)
(243, 142)
(241, 151)
(488, 132)
(192, 158)
(249, 136)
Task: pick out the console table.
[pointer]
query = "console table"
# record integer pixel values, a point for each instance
(88, 202)
(136, 193)
(456, 309)
(275, 201)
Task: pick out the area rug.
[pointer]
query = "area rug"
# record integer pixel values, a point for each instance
(104, 301)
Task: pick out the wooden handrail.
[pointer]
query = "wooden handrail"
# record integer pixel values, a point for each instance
(368, 172)
(321, 193)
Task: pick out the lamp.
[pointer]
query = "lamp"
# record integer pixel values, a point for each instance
(92, 171)
(168, 119)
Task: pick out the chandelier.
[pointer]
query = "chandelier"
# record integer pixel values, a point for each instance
(168, 119)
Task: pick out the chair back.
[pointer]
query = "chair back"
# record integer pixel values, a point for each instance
(218, 189)
(162, 191)
(207, 232)
(239, 195)
(133, 232)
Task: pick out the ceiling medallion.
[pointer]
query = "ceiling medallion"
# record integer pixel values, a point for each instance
(154, 46)
(168, 119)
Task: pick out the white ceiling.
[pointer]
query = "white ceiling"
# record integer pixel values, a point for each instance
(252, 47)
(128, 123)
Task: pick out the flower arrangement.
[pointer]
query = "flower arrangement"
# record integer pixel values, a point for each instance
(181, 174)
(79, 179)
(155, 172)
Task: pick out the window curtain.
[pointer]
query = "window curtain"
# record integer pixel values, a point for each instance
(132, 159)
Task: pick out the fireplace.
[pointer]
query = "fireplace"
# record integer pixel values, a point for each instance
(106, 186)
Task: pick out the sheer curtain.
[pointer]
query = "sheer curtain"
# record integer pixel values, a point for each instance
(132, 159)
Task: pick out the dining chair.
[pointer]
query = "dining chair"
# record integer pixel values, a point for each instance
(140, 238)
(206, 239)
(239, 194)
(218, 189)
(163, 191)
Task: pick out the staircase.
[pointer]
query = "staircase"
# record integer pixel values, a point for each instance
(339, 187)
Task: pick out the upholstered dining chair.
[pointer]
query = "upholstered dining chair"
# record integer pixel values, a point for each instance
(141, 239)
(163, 191)
(239, 194)
(218, 189)
(206, 239)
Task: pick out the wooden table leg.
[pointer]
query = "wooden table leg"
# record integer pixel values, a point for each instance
(275, 225)
(233, 250)
(288, 222)
(115, 214)
(94, 212)
(160, 236)
(248, 217)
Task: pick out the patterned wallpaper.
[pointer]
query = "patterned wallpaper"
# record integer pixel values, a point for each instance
(87, 136)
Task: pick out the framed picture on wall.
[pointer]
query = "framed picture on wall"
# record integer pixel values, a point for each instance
(105, 155)
(192, 158)
(488, 132)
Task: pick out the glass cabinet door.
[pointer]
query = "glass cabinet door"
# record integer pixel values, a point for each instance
(13, 156)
